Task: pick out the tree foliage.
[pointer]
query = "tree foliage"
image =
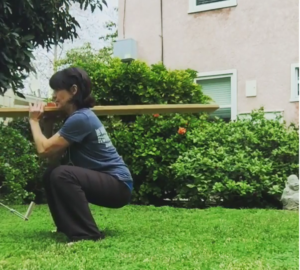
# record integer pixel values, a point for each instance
(88, 54)
(109, 38)
(27, 24)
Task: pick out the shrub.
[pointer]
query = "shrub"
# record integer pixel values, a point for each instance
(18, 165)
(244, 163)
(149, 146)
(34, 186)
(118, 83)
(22, 125)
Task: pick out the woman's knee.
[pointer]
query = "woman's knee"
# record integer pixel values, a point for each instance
(60, 175)
(47, 174)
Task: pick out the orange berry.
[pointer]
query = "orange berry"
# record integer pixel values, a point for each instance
(51, 104)
(181, 131)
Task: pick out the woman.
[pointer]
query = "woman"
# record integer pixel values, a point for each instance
(95, 172)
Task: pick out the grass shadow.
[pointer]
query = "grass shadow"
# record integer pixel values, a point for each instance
(36, 236)
(111, 233)
(40, 236)
(57, 237)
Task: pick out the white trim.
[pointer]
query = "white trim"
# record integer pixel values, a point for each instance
(232, 73)
(294, 94)
(29, 98)
(198, 8)
(246, 115)
(265, 111)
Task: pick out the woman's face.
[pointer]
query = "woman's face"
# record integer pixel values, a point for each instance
(62, 97)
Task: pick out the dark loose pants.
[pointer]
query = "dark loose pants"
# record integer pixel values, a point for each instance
(69, 189)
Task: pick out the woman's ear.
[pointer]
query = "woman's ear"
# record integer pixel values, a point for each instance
(74, 89)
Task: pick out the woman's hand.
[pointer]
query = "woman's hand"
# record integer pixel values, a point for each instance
(36, 111)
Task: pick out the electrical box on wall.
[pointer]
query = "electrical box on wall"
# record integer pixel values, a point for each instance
(251, 88)
(125, 49)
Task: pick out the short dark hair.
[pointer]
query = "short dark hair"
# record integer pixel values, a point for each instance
(66, 78)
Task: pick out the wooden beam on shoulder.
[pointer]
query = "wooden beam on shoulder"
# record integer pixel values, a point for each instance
(123, 109)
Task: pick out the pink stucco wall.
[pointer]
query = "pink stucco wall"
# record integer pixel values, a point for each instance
(257, 38)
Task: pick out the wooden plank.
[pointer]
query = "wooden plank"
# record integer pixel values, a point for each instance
(123, 109)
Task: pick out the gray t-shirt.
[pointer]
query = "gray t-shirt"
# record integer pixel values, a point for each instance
(91, 147)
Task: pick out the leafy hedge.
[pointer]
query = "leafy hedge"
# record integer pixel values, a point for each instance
(118, 83)
(244, 163)
(17, 133)
(149, 145)
(238, 164)
(19, 166)
(241, 163)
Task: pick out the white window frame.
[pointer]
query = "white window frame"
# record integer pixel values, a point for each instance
(193, 8)
(294, 89)
(232, 74)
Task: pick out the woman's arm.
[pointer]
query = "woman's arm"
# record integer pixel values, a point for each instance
(74, 130)
(47, 147)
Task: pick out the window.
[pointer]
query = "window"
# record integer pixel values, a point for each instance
(295, 83)
(221, 87)
(203, 5)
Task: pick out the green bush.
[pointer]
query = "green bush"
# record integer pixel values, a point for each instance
(177, 156)
(22, 125)
(118, 83)
(238, 160)
(149, 146)
(244, 163)
(18, 165)
(35, 185)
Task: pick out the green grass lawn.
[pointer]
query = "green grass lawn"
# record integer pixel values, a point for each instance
(139, 237)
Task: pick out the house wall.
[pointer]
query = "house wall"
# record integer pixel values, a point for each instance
(10, 100)
(7, 100)
(257, 38)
